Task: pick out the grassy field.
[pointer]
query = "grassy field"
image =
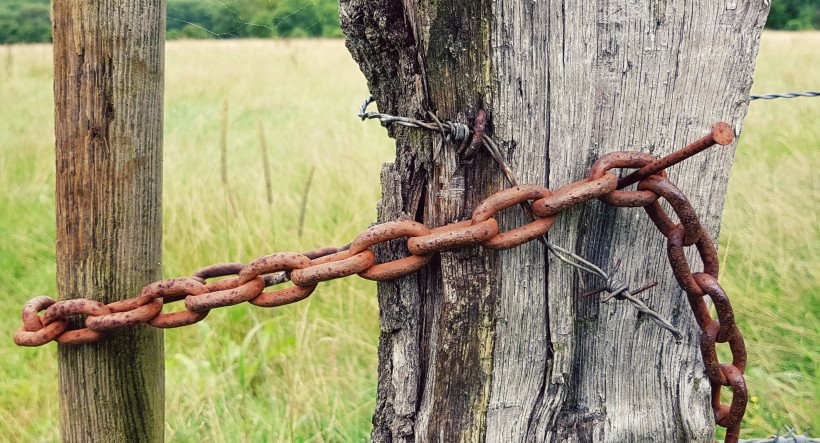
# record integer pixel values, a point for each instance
(307, 371)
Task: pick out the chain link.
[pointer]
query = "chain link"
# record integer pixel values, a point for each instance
(306, 270)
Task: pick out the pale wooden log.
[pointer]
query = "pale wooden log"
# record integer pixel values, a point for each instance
(497, 346)
(108, 89)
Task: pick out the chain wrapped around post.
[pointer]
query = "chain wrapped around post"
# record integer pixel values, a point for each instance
(247, 283)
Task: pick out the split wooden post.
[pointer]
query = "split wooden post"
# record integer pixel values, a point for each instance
(494, 346)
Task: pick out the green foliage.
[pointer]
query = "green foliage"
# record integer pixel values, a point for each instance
(25, 21)
(306, 371)
(302, 372)
(28, 21)
(253, 18)
(794, 15)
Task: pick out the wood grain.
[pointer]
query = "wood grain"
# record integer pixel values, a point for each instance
(486, 346)
(108, 90)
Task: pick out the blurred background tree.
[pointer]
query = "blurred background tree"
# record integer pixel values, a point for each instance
(27, 21)
(794, 15)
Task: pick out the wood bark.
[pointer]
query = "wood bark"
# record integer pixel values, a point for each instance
(498, 346)
(108, 86)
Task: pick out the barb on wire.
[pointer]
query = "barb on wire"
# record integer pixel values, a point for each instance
(452, 131)
(785, 95)
(615, 288)
(460, 132)
(789, 437)
(542, 205)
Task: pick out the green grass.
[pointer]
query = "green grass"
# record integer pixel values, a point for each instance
(307, 371)
(300, 372)
(770, 239)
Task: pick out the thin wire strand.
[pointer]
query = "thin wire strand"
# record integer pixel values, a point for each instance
(460, 132)
(785, 95)
(789, 437)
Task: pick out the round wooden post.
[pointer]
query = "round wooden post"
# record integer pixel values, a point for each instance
(108, 90)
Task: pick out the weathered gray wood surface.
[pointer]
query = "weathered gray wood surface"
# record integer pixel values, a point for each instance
(108, 86)
(497, 346)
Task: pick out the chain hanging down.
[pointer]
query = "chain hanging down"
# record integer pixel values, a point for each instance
(307, 270)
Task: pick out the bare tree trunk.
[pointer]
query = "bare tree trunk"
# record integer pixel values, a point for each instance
(108, 86)
(497, 346)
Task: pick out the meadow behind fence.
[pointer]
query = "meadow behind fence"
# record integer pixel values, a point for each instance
(307, 371)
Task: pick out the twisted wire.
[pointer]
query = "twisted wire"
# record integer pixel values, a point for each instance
(789, 437)
(460, 132)
(785, 95)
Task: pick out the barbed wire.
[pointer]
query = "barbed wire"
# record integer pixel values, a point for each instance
(785, 95)
(789, 437)
(687, 232)
(541, 204)
(460, 132)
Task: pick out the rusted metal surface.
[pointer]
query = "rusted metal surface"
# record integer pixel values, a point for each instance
(40, 336)
(172, 287)
(31, 310)
(286, 261)
(219, 270)
(675, 197)
(177, 319)
(710, 286)
(240, 283)
(454, 236)
(507, 198)
(115, 320)
(386, 232)
(282, 296)
(574, 194)
(221, 285)
(721, 134)
(176, 289)
(225, 297)
(479, 127)
(33, 332)
(67, 308)
(624, 159)
(396, 268)
(323, 270)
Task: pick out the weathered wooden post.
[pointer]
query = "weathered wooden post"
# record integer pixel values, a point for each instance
(108, 90)
(497, 346)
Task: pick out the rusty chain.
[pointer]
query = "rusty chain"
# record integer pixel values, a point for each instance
(306, 270)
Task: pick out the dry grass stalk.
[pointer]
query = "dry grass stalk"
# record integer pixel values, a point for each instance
(305, 193)
(223, 148)
(265, 164)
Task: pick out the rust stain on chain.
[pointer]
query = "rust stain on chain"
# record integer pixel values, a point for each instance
(329, 270)
(308, 269)
(721, 134)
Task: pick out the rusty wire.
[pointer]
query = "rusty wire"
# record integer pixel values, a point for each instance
(307, 270)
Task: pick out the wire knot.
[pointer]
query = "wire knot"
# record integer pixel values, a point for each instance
(458, 131)
(615, 288)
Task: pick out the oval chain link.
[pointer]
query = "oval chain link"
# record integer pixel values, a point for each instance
(506, 199)
(308, 269)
